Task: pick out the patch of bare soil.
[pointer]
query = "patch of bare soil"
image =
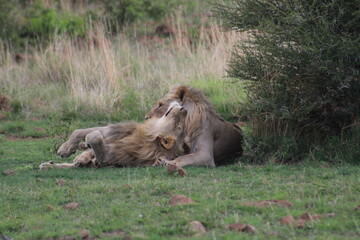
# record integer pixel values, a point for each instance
(117, 234)
(60, 182)
(178, 199)
(114, 233)
(71, 206)
(303, 219)
(280, 203)
(239, 227)
(4, 103)
(19, 138)
(8, 172)
(2, 117)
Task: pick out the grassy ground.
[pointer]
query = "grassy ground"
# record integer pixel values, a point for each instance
(134, 202)
(66, 86)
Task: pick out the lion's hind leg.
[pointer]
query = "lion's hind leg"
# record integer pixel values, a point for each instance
(86, 159)
(52, 165)
(74, 143)
(96, 142)
(69, 147)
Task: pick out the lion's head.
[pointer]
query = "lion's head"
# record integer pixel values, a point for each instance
(197, 105)
(169, 130)
(176, 95)
(209, 137)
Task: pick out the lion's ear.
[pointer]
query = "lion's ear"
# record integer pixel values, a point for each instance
(181, 93)
(167, 142)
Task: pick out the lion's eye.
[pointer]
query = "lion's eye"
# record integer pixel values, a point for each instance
(160, 105)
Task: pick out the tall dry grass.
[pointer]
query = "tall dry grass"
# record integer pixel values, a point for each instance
(118, 76)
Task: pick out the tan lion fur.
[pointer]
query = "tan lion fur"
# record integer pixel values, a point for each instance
(212, 140)
(144, 146)
(138, 145)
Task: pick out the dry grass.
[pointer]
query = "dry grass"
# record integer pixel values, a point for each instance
(105, 76)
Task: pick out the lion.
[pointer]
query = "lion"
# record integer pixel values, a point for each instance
(128, 144)
(212, 140)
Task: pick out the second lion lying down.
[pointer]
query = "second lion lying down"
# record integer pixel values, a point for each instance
(128, 144)
(182, 129)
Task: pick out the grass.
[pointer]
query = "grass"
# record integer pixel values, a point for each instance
(125, 199)
(115, 77)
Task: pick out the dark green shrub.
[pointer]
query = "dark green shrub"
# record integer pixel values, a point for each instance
(302, 63)
(121, 12)
(29, 22)
(43, 24)
(339, 149)
(8, 26)
(16, 106)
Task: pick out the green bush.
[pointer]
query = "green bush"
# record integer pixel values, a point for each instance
(8, 26)
(339, 149)
(47, 23)
(31, 23)
(16, 106)
(121, 12)
(302, 64)
(43, 24)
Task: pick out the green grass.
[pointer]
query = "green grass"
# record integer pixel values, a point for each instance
(124, 199)
(21, 128)
(229, 101)
(50, 127)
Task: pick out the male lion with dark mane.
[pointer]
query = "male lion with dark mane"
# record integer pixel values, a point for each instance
(128, 144)
(212, 140)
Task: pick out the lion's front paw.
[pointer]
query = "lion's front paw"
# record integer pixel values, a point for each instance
(66, 150)
(84, 158)
(47, 165)
(83, 146)
(162, 162)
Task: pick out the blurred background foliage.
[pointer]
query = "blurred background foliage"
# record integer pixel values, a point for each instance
(36, 22)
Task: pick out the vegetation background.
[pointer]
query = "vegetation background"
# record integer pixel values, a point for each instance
(287, 71)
